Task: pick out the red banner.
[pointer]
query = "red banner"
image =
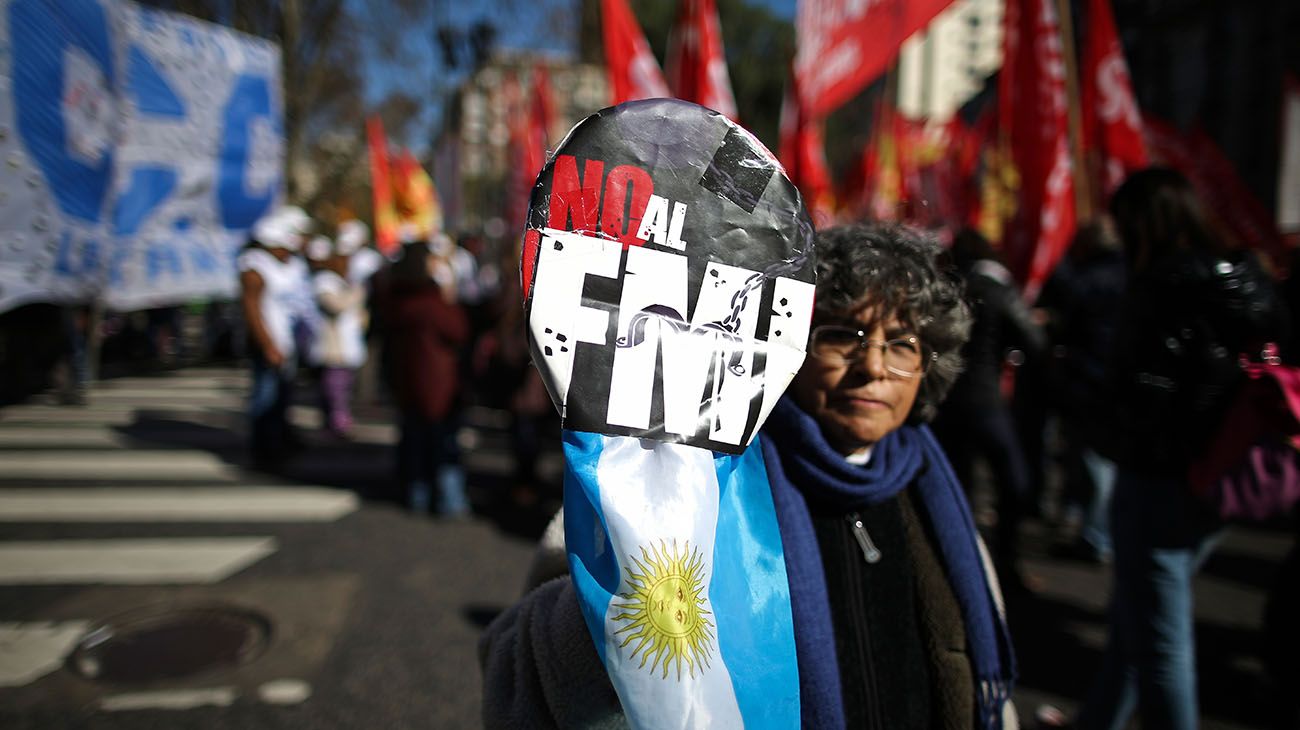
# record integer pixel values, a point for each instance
(1032, 99)
(386, 221)
(1112, 126)
(633, 71)
(803, 154)
(697, 65)
(843, 45)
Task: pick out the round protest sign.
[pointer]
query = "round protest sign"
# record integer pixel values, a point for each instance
(668, 276)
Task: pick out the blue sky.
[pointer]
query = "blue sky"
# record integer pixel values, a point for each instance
(524, 25)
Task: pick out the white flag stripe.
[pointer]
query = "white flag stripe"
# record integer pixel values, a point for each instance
(170, 699)
(184, 504)
(664, 496)
(133, 464)
(32, 650)
(129, 562)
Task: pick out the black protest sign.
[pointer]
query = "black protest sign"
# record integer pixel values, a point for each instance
(668, 275)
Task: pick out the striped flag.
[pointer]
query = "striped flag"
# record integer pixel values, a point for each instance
(677, 559)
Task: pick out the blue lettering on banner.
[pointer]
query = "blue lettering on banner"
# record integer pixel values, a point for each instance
(161, 258)
(43, 34)
(149, 90)
(148, 188)
(249, 101)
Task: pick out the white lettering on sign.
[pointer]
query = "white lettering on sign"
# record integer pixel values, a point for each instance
(657, 226)
(705, 365)
(558, 320)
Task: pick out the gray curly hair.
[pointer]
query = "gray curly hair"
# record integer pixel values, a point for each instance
(896, 271)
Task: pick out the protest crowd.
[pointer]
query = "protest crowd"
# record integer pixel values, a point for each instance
(1072, 355)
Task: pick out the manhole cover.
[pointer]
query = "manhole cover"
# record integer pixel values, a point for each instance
(153, 644)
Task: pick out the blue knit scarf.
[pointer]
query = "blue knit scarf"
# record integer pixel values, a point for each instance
(797, 454)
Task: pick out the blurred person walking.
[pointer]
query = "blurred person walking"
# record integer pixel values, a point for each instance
(277, 303)
(424, 331)
(1193, 306)
(1083, 300)
(976, 420)
(339, 347)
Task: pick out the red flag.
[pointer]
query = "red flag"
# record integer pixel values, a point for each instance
(697, 66)
(414, 195)
(386, 222)
(843, 45)
(633, 71)
(1032, 99)
(1112, 127)
(803, 154)
(529, 137)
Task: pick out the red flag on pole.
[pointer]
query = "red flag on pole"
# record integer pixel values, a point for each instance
(633, 71)
(697, 65)
(1112, 126)
(844, 45)
(1033, 100)
(529, 137)
(803, 154)
(386, 222)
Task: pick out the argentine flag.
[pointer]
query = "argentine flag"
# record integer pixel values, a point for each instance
(676, 557)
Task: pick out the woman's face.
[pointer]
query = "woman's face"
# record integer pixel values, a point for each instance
(857, 404)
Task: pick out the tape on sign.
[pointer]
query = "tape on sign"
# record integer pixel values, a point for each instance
(668, 274)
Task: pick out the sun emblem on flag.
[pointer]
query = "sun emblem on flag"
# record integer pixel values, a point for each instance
(664, 610)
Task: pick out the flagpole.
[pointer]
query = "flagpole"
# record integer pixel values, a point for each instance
(1082, 186)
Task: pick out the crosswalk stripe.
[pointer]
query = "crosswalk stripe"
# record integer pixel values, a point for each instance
(129, 562)
(32, 650)
(88, 437)
(187, 504)
(132, 464)
(170, 699)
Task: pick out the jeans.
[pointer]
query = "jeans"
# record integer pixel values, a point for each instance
(1161, 537)
(1096, 520)
(268, 407)
(428, 458)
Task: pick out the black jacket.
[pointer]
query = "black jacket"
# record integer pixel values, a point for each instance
(1002, 322)
(1188, 318)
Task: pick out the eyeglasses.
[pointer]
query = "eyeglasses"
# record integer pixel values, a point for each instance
(903, 357)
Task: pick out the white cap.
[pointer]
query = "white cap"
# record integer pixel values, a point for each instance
(297, 220)
(353, 236)
(283, 227)
(319, 249)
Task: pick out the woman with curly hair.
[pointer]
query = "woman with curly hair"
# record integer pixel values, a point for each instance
(896, 612)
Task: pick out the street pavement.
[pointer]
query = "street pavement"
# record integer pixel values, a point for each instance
(359, 614)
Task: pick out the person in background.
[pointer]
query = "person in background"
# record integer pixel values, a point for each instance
(273, 283)
(424, 330)
(976, 420)
(1083, 302)
(895, 612)
(339, 348)
(1193, 306)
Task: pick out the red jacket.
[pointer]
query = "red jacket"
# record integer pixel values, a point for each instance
(425, 335)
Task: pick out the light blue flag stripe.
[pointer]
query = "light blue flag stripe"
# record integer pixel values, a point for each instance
(592, 563)
(751, 595)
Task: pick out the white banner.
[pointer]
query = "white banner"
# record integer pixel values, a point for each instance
(139, 146)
